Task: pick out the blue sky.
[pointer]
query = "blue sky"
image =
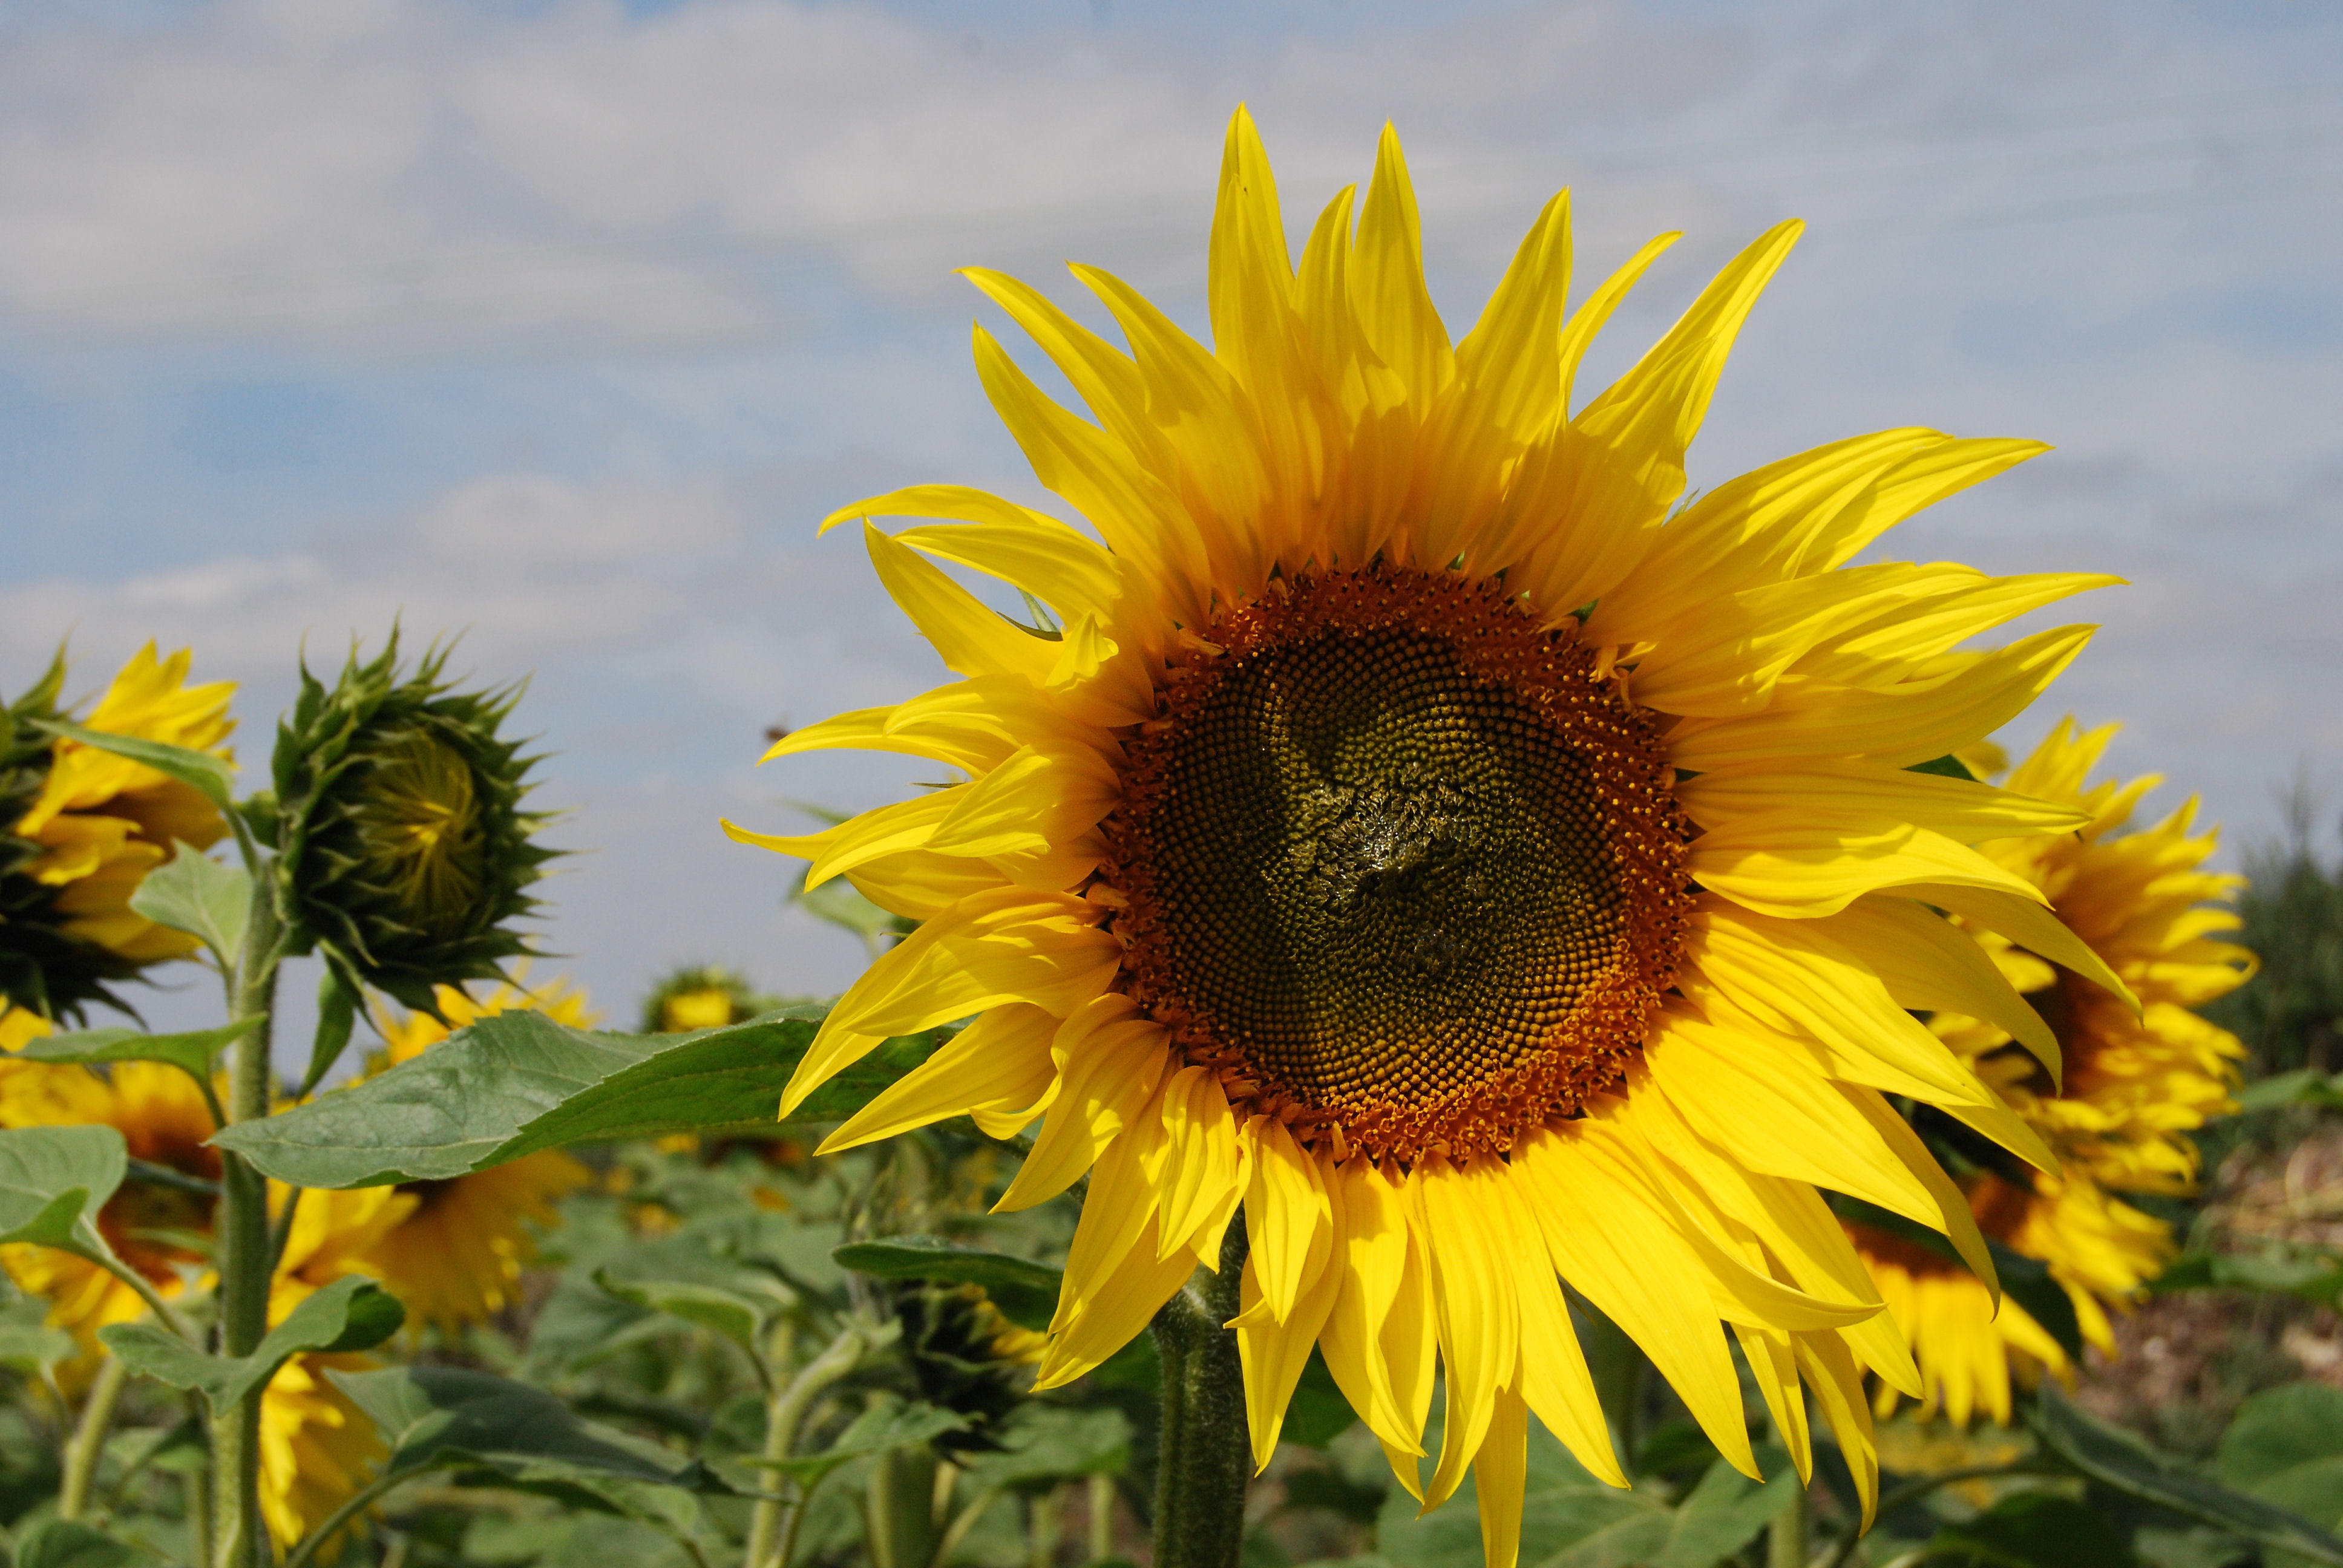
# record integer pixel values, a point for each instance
(560, 324)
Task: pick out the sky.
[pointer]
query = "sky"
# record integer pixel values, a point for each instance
(558, 325)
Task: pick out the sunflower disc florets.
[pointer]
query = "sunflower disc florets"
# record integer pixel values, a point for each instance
(406, 856)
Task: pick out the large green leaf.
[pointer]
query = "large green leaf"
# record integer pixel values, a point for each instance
(451, 1417)
(2114, 1458)
(192, 1053)
(1042, 1445)
(209, 775)
(207, 899)
(53, 1183)
(2033, 1530)
(517, 1082)
(1025, 1291)
(2286, 1447)
(738, 1315)
(1725, 1511)
(349, 1315)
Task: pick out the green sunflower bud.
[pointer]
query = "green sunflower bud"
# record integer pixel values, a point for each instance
(966, 1357)
(406, 855)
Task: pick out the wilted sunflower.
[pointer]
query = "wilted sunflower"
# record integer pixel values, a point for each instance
(159, 1223)
(2136, 1082)
(1970, 1347)
(1333, 851)
(457, 1257)
(81, 828)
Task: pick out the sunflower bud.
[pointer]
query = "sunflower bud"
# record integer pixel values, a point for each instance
(406, 852)
(966, 1357)
(703, 996)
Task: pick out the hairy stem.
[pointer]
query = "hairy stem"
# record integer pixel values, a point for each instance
(1207, 1456)
(246, 1256)
(89, 1439)
(772, 1528)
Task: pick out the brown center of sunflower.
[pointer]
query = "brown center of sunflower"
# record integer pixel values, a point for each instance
(1400, 863)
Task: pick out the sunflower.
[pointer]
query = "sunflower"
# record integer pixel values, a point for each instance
(2136, 1082)
(316, 1447)
(457, 1257)
(98, 824)
(1414, 829)
(2099, 1250)
(159, 1220)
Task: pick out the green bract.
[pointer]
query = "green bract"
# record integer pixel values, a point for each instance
(406, 854)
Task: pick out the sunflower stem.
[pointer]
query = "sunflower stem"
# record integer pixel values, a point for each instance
(772, 1527)
(245, 1252)
(1785, 1539)
(88, 1441)
(1206, 1460)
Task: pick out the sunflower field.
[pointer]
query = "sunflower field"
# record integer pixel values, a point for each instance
(1442, 956)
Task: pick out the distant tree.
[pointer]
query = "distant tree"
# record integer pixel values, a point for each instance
(2290, 1013)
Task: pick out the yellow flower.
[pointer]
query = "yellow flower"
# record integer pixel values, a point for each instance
(1330, 852)
(2135, 1082)
(691, 1009)
(316, 1447)
(456, 1258)
(156, 1227)
(2098, 1250)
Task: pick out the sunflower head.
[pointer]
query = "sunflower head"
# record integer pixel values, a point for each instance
(80, 828)
(966, 1358)
(406, 853)
(703, 996)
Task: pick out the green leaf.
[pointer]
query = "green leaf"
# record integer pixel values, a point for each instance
(338, 1011)
(2300, 1087)
(876, 1430)
(2033, 1530)
(1567, 1517)
(1726, 1511)
(1318, 1412)
(1946, 767)
(2114, 1458)
(192, 1053)
(452, 1417)
(207, 899)
(739, 1318)
(2313, 1274)
(1042, 1445)
(349, 1315)
(30, 1348)
(517, 1082)
(53, 1183)
(209, 775)
(70, 1544)
(1025, 1291)
(2285, 1448)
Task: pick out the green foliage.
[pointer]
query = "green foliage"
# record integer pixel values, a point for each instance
(205, 898)
(1025, 1291)
(517, 1082)
(349, 1315)
(2290, 1013)
(194, 1053)
(2033, 1530)
(53, 1183)
(69, 1544)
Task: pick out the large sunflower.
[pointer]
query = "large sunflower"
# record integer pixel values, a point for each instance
(1415, 830)
(98, 823)
(2135, 1081)
(457, 1256)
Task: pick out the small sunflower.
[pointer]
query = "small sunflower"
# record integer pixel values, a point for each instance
(2136, 1082)
(1970, 1347)
(965, 1357)
(1414, 828)
(80, 828)
(456, 1256)
(701, 996)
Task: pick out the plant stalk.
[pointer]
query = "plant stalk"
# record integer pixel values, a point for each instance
(772, 1527)
(89, 1439)
(1786, 1538)
(1206, 1460)
(1102, 1520)
(245, 1251)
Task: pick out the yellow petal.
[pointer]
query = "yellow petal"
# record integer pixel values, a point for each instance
(1109, 1063)
(1786, 864)
(1579, 331)
(1204, 1164)
(1498, 1477)
(1478, 1317)
(1860, 797)
(1273, 1353)
(1930, 965)
(1288, 1216)
(1387, 282)
(1000, 1061)
(1370, 1257)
